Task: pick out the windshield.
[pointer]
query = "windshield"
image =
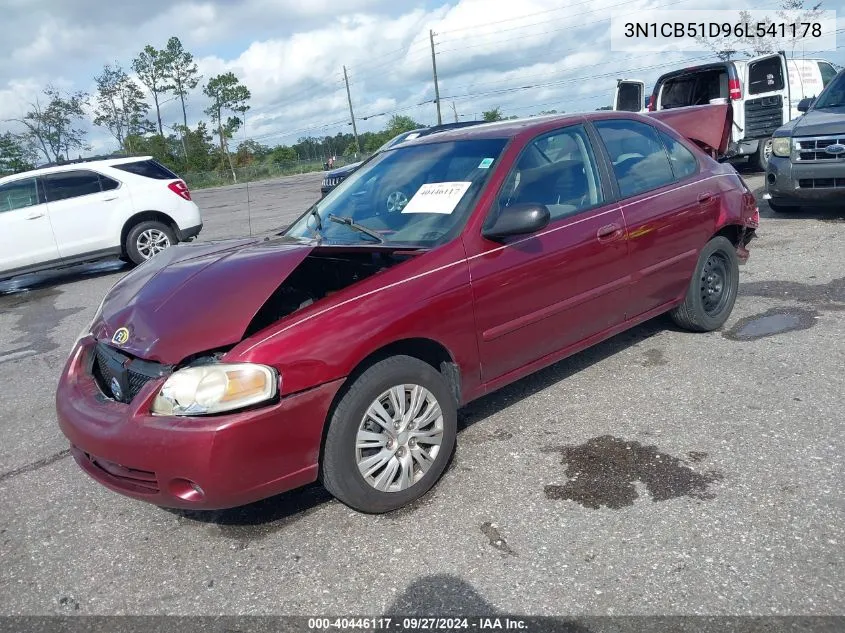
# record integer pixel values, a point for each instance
(405, 136)
(418, 195)
(833, 95)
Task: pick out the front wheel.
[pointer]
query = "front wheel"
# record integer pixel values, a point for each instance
(147, 239)
(712, 290)
(390, 437)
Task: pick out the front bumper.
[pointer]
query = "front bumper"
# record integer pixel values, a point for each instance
(212, 462)
(784, 180)
(189, 233)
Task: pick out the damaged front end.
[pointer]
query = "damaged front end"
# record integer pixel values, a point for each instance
(175, 318)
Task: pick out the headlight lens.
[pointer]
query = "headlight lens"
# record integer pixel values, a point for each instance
(215, 388)
(781, 146)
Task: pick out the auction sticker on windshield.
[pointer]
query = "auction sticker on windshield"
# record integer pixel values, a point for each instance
(437, 197)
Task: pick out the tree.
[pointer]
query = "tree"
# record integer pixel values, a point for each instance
(121, 108)
(152, 65)
(17, 154)
(493, 115)
(182, 72)
(227, 93)
(283, 154)
(399, 124)
(52, 127)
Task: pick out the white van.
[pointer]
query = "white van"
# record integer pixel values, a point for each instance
(762, 99)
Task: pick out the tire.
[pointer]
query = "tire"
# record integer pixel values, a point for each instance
(759, 160)
(783, 208)
(143, 231)
(340, 472)
(717, 261)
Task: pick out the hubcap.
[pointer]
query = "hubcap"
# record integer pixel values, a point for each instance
(399, 438)
(714, 282)
(152, 241)
(396, 201)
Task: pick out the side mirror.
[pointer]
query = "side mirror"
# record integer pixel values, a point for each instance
(520, 219)
(805, 104)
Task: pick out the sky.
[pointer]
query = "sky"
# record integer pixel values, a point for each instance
(523, 57)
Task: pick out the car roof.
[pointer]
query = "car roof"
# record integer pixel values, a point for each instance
(71, 165)
(496, 129)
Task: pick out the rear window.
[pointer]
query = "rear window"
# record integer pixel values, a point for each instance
(765, 76)
(695, 88)
(630, 98)
(148, 169)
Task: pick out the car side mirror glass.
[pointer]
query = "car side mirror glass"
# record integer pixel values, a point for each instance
(805, 104)
(519, 219)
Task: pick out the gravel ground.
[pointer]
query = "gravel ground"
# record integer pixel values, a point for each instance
(660, 472)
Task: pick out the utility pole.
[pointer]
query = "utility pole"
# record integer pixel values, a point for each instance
(434, 68)
(351, 113)
(455, 110)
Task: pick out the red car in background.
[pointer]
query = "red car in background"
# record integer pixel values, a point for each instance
(221, 373)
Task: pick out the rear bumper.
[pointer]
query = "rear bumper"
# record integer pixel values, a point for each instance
(786, 182)
(189, 233)
(232, 459)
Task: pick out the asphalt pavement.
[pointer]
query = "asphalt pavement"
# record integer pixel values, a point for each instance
(660, 472)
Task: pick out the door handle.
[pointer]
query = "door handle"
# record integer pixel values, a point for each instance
(110, 199)
(34, 215)
(704, 198)
(609, 232)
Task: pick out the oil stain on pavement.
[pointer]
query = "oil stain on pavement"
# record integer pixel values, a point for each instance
(829, 296)
(603, 471)
(772, 322)
(491, 531)
(37, 316)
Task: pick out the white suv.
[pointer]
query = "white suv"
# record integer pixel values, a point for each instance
(67, 214)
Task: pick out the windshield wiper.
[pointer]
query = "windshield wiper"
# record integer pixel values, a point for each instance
(352, 224)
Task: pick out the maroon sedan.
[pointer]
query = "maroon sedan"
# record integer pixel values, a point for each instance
(221, 373)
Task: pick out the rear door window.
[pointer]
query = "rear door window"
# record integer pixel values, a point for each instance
(682, 160)
(71, 184)
(640, 162)
(148, 169)
(630, 97)
(765, 75)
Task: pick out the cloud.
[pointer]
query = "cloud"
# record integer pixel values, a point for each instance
(521, 56)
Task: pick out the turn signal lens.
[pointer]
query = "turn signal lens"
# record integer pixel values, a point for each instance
(208, 389)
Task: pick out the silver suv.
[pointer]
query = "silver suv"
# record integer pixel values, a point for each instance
(807, 166)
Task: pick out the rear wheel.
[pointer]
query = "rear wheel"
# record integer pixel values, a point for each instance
(712, 290)
(390, 436)
(760, 159)
(147, 239)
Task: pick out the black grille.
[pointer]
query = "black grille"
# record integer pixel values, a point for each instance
(821, 183)
(814, 149)
(121, 376)
(763, 116)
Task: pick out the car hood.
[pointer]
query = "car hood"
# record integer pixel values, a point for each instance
(196, 297)
(343, 171)
(827, 122)
(707, 125)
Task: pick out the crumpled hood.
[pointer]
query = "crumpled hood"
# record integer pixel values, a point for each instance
(197, 296)
(827, 122)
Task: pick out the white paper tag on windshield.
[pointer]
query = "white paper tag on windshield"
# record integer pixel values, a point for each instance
(437, 197)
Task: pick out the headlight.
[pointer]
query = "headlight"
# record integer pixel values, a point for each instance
(781, 146)
(215, 388)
